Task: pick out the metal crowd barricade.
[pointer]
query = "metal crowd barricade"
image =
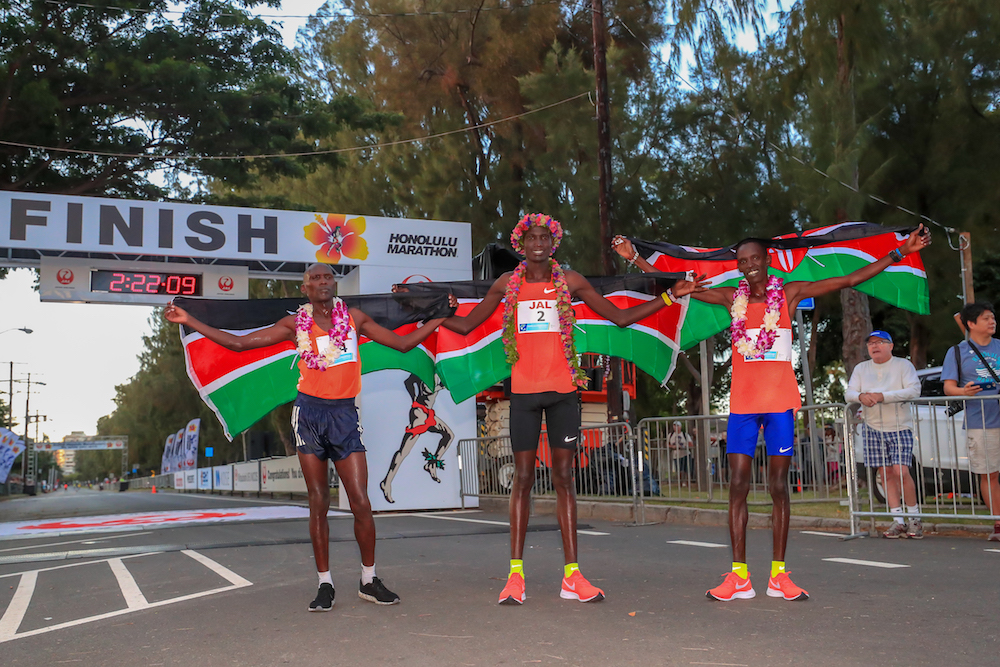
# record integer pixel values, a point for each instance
(688, 457)
(605, 466)
(939, 467)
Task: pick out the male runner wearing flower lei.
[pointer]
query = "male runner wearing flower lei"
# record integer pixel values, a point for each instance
(325, 418)
(538, 341)
(762, 351)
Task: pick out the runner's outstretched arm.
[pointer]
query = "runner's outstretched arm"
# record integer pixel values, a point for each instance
(369, 328)
(919, 239)
(283, 330)
(581, 288)
(465, 324)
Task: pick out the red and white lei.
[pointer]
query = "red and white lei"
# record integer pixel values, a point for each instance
(772, 313)
(341, 326)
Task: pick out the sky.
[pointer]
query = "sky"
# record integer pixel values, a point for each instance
(81, 351)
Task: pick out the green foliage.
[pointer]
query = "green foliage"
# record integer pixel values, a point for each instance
(94, 77)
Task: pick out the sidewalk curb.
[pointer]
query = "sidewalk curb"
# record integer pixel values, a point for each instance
(622, 512)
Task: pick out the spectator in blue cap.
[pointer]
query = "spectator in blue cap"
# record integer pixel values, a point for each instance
(887, 430)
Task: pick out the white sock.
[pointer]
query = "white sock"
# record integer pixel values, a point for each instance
(899, 511)
(367, 574)
(914, 509)
(325, 578)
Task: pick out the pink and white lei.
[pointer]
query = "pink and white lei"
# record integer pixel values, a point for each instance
(772, 313)
(341, 326)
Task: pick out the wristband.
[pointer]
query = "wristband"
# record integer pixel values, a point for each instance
(666, 297)
(896, 255)
(670, 293)
(635, 256)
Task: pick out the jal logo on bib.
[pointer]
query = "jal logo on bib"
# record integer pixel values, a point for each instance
(537, 316)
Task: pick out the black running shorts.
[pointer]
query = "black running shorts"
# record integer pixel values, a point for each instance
(328, 428)
(562, 420)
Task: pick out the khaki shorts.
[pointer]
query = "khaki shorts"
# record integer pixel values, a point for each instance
(984, 450)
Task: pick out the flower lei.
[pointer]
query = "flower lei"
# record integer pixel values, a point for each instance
(341, 321)
(769, 329)
(567, 319)
(533, 220)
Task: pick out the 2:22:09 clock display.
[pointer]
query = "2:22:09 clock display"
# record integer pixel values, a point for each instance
(145, 282)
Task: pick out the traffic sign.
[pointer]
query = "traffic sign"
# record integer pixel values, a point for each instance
(807, 304)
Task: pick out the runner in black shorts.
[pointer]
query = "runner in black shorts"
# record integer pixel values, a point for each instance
(545, 374)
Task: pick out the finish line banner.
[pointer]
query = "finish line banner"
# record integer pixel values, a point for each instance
(36, 221)
(81, 445)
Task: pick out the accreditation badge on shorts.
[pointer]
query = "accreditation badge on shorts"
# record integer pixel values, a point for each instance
(349, 354)
(780, 351)
(537, 316)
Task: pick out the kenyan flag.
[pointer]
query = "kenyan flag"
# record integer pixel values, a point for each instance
(472, 363)
(242, 387)
(812, 255)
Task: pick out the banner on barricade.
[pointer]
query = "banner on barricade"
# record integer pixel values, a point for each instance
(282, 475)
(223, 477)
(246, 476)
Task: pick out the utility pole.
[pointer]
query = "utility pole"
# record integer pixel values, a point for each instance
(28, 463)
(613, 386)
(965, 247)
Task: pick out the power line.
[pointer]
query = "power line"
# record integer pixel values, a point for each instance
(178, 158)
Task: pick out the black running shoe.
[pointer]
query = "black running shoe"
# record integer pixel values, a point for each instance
(324, 598)
(377, 592)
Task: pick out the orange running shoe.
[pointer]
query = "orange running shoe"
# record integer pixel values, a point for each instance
(513, 592)
(782, 587)
(732, 588)
(575, 587)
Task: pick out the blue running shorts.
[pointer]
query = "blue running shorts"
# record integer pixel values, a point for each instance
(327, 428)
(779, 433)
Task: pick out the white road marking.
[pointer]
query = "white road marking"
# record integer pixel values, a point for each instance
(12, 618)
(869, 563)
(224, 572)
(130, 590)
(493, 523)
(822, 534)
(18, 605)
(996, 551)
(56, 544)
(689, 543)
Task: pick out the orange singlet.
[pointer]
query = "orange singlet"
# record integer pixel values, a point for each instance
(342, 378)
(541, 365)
(768, 384)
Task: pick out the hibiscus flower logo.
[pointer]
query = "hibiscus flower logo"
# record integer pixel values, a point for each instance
(336, 236)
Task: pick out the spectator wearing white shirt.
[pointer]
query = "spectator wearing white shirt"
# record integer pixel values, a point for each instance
(887, 431)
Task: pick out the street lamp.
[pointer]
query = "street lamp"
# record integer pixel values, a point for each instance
(24, 329)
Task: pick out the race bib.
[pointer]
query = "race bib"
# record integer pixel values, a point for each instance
(537, 316)
(346, 356)
(780, 351)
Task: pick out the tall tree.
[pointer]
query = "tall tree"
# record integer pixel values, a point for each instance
(96, 95)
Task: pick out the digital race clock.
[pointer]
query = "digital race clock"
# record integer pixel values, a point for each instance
(145, 282)
(137, 282)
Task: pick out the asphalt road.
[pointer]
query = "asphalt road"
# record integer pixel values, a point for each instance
(236, 593)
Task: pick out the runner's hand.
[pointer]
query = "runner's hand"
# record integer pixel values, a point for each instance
(176, 314)
(685, 287)
(918, 240)
(623, 247)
